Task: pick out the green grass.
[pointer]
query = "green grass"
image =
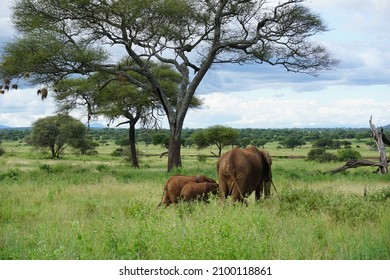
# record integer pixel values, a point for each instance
(99, 208)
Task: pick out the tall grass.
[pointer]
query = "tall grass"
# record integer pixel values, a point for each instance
(97, 209)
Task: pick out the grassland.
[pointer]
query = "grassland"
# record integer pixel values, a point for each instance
(97, 207)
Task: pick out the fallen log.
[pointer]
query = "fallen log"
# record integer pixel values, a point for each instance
(358, 163)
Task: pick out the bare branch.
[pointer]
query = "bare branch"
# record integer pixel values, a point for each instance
(356, 164)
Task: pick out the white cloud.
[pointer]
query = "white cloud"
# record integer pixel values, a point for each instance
(6, 30)
(291, 109)
(21, 107)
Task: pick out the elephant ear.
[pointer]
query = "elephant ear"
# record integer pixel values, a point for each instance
(267, 161)
(267, 157)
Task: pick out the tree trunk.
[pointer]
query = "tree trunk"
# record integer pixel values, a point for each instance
(53, 151)
(384, 138)
(174, 150)
(378, 137)
(133, 149)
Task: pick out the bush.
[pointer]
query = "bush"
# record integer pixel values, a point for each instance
(2, 151)
(380, 196)
(348, 209)
(202, 158)
(46, 167)
(12, 174)
(102, 167)
(348, 154)
(117, 152)
(321, 155)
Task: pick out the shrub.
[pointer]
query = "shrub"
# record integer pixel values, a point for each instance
(102, 167)
(2, 151)
(380, 196)
(117, 152)
(348, 209)
(202, 158)
(46, 167)
(321, 155)
(12, 174)
(348, 154)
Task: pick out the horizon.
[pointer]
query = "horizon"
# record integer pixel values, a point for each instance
(97, 125)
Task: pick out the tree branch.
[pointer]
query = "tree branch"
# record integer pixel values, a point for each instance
(357, 163)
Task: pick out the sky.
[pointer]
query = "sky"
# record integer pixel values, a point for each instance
(261, 96)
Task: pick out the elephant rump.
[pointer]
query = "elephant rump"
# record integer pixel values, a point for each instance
(242, 171)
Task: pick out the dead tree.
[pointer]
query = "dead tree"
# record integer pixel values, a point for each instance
(378, 137)
(357, 163)
(384, 138)
(380, 140)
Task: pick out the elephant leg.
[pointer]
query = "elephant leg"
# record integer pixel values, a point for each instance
(166, 200)
(258, 192)
(267, 189)
(237, 196)
(223, 190)
(174, 198)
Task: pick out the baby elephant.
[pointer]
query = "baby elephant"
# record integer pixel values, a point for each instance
(198, 191)
(175, 184)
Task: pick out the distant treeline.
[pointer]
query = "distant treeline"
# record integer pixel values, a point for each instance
(246, 137)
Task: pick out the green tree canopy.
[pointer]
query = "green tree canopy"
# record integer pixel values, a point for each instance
(62, 38)
(292, 142)
(56, 133)
(218, 135)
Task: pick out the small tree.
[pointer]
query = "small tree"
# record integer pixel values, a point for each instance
(321, 155)
(57, 133)
(216, 135)
(292, 142)
(161, 138)
(260, 142)
(86, 146)
(323, 142)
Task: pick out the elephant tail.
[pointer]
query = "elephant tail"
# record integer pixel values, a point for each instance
(276, 191)
(233, 176)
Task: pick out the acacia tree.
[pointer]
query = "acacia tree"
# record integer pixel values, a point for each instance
(115, 101)
(60, 38)
(218, 135)
(118, 99)
(292, 142)
(56, 133)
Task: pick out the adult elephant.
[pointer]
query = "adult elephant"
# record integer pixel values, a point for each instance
(242, 171)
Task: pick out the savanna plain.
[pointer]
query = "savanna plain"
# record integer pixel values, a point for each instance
(98, 207)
